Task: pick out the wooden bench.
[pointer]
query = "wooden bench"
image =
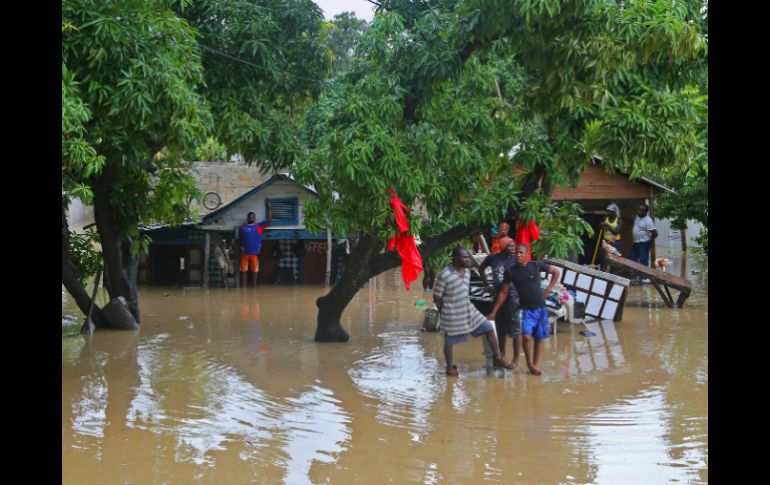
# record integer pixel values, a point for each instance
(661, 280)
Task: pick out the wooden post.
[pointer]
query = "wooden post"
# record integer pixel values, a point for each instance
(653, 254)
(327, 277)
(621, 304)
(484, 244)
(683, 294)
(237, 251)
(206, 252)
(668, 293)
(665, 298)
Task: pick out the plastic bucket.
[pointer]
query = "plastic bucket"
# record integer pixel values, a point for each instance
(430, 323)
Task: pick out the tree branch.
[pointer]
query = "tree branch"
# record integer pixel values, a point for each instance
(388, 260)
(70, 281)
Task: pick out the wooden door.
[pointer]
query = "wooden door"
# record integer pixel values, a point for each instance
(194, 266)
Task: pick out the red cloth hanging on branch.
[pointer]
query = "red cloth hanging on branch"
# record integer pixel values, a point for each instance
(411, 261)
(526, 233)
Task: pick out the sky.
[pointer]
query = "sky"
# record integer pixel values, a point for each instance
(362, 8)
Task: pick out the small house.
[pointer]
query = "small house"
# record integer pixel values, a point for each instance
(185, 255)
(596, 189)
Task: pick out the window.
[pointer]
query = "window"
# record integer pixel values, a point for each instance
(285, 211)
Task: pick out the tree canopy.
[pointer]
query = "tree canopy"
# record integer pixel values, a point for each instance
(442, 94)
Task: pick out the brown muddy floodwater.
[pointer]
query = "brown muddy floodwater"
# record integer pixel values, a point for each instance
(228, 387)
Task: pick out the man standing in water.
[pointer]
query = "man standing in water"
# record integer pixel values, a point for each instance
(507, 321)
(250, 238)
(525, 276)
(644, 233)
(459, 317)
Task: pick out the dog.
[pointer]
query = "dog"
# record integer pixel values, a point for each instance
(661, 263)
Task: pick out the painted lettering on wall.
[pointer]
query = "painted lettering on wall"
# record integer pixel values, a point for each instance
(315, 247)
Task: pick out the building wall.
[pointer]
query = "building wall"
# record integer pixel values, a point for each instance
(595, 183)
(228, 179)
(79, 215)
(236, 214)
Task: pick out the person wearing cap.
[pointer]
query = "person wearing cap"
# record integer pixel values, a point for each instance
(611, 235)
(507, 321)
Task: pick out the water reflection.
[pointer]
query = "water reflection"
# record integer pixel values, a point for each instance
(204, 407)
(89, 409)
(626, 442)
(394, 376)
(314, 418)
(597, 354)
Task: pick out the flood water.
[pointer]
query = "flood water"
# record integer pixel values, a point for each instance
(228, 387)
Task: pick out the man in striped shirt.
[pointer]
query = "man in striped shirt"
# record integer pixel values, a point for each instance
(459, 317)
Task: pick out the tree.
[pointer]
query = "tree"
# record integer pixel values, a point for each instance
(690, 179)
(211, 151)
(133, 65)
(264, 63)
(690, 201)
(145, 82)
(79, 161)
(344, 33)
(440, 93)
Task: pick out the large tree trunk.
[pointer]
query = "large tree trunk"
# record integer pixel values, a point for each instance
(119, 266)
(331, 305)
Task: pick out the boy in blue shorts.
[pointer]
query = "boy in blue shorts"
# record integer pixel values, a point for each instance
(525, 276)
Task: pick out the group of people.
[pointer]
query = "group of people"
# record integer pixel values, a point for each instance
(516, 279)
(519, 309)
(643, 234)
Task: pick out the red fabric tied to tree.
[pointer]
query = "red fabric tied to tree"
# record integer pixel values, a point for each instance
(526, 233)
(411, 261)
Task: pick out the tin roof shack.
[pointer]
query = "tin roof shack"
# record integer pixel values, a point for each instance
(289, 253)
(596, 189)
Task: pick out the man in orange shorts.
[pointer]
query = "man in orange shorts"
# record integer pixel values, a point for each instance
(250, 237)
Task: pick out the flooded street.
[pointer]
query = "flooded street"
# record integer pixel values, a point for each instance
(228, 387)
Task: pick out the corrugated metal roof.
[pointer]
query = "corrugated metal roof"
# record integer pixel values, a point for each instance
(152, 227)
(655, 184)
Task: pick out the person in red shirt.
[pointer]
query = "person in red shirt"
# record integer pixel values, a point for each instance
(501, 232)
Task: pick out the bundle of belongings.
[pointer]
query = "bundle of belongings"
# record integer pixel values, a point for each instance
(560, 303)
